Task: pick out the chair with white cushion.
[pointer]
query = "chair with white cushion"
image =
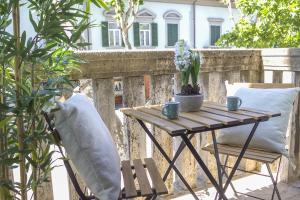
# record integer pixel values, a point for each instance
(87, 141)
(262, 155)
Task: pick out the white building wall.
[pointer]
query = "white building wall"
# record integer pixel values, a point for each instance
(185, 25)
(203, 25)
(95, 32)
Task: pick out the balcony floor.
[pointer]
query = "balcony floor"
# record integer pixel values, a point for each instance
(253, 185)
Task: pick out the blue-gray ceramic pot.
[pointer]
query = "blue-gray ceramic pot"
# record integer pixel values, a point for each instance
(189, 103)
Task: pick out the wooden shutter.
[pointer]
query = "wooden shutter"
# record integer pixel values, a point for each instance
(154, 34)
(215, 33)
(104, 26)
(172, 34)
(136, 34)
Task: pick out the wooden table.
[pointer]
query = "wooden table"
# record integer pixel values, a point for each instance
(211, 117)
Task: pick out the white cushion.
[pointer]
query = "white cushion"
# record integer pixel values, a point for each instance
(90, 146)
(270, 135)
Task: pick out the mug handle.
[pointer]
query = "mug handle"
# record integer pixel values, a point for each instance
(164, 110)
(240, 102)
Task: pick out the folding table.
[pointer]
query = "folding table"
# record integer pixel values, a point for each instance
(211, 117)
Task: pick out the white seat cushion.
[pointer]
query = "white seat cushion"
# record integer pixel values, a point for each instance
(90, 146)
(270, 135)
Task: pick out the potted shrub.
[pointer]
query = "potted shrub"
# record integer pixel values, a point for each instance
(188, 63)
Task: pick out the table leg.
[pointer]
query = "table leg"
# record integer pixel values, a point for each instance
(203, 166)
(217, 156)
(167, 157)
(239, 159)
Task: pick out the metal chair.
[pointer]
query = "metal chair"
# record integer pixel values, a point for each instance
(130, 172)
(258, 155)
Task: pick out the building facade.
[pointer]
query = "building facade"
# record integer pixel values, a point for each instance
(160, 23)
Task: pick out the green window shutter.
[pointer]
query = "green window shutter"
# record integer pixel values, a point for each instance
(215, 34)
(172, 34)
(104, 26)
(136, 34)
(154, 34)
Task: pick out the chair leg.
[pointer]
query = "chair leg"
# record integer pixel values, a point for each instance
(231, 184)
(275, 181)
(226, 175)
(222, 173)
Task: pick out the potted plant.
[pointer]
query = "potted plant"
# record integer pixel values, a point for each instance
(188, 63)
(35, 63)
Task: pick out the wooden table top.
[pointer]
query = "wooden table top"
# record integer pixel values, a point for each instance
(212, 116)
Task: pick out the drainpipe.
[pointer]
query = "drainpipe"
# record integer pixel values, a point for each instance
(88, 31)
(88, 38)
(194, 23)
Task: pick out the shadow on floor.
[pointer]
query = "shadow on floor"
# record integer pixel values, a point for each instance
(253, 185)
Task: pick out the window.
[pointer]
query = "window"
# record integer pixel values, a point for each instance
(215, 34)
(114, 35)
(145, 34)
(172, 18)
(172, 36)
(215, 29)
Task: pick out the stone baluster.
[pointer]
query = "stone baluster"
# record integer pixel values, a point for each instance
(161, 92)
(296, 78)
(203, 83)
(134, 95)
(45, 190)
(216, 90)
(277, 76)
(104, 100)
(185, 162)
(233, 76)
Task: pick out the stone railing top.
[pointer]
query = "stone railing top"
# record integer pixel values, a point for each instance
(115, 63)
(281, 52)
(281, 59)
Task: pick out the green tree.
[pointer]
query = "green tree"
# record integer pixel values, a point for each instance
(33, 71)
(125, 13)
(265, 24)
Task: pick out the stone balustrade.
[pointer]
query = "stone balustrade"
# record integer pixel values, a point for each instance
(98, 73)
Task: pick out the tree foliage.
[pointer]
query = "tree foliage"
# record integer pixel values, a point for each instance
(125, 13)
(33, 71)
(265, 24)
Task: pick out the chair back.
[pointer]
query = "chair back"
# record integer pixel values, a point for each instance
(72, 176)
(289, 172)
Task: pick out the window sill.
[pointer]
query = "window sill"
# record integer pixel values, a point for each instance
(146, 47)
(170, 47)
(115, 47)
